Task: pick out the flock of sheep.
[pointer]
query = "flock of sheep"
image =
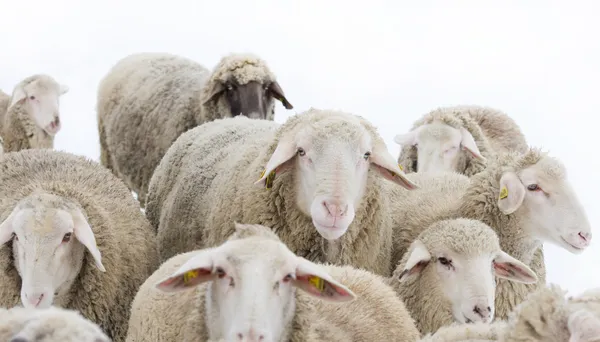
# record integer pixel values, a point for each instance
(249, 230)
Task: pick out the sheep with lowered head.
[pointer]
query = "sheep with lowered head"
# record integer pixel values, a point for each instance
(71, 235)
(48, 325)
(148, 99)
(317, 180)
(253, 288)
(525, 197)
(448, 274)
(459, 139)
(32, 116)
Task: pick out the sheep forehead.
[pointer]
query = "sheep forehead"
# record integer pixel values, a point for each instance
(438, 131)
(44, 223)
(547, 169)
(242, 69)
(465, 237)
(41, 84)
(321, 133)
(256, 253)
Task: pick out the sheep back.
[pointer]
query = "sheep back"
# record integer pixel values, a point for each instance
(123, 235)
(144, 103)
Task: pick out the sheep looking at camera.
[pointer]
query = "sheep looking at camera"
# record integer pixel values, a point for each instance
(525, 197)
(148, 99)
(448, 274)
(318, 181)
(31, 118)
(459, 139)
(47, 325)
(71, 235)
(246, 289)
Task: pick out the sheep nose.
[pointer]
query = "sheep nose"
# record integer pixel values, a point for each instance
(483, 311)
(335, 208)
(586, 237)
(251, 336)
(35, 298)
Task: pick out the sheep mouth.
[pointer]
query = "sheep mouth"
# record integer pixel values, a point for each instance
(579, 249)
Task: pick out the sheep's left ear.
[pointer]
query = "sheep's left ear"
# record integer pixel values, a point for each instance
(318, 283)
(418, 258)
(63, 89)
(83, 232)
(6, 227)
(584, 326)
(385, 164)
(468, 144)
(18, 96)
(275, 88)
(285, 150)
(217, 89)
(507, 267)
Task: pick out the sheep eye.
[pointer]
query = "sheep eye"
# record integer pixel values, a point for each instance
(533, 187)
(220, 272)
(367, 155)
(287, 278)
(32, 97)
(229, 87)
(67, 237)
(444, 261)
(301, 151)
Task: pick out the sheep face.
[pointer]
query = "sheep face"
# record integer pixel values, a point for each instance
(252, 292)
(40, 99)
(50, 237)
(440, 147)
(333, 157)
(253, 99)
(546, 205)
(457, 260)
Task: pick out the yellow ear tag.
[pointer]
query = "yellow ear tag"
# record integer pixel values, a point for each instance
(317, 282)
(401, 168)
(269, 180)
(189, 275)
(503, 192)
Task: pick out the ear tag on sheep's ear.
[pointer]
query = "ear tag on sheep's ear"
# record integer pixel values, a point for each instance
(401, 168)
(269, 180)
(317, 282)
(189, 275)
(503, 192)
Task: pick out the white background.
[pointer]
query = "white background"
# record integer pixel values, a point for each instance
(390, 61)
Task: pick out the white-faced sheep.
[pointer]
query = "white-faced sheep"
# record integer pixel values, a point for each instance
(545, 316)
(71, 235)
(246, 290)
(32, 116)
(148, 99)
(48, 325)
(448, 274)
(458, 138)
(321, 188)
(525, 197)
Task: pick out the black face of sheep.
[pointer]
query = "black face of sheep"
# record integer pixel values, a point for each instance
(252, 99)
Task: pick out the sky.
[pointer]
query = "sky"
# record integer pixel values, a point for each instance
(389, 61)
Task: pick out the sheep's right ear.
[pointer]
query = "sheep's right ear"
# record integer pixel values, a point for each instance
(419, 257)
(507, 267)
(407, 139)
(63, 89)
(18, 96)
(285, 150)
(512, 193)
(584, 326)
(6, 227)
(197, 270)
(468, 144)
(311, 278)
(217, 89)
(275, 88)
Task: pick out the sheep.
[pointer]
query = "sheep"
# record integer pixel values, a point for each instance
(458, 138)
(448, 274)
(148, 99)
(325, 162)
(336, 303)
(4, 101)
(31, 119)
(71, 235)
(525, 197)
(546, 315)
(48, 325)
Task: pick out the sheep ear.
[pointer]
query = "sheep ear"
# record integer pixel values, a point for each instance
(419, 257)
(275, 88)
(407, 139)
(507, 267)
(584, 326)
(469, 145)
(197, 270)
(63, 89)
(18, 96)
(278, 162)
(83, 232)
(512, 193)
(6, 227)
(217, 89)
(385, 164)
(316, 282)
